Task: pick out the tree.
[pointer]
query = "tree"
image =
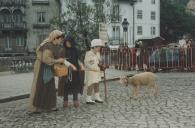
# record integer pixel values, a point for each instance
(81, 20)
(175, 21)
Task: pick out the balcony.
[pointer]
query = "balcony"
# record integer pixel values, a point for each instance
(116, 19)
(96, 1)
(12, 3)
(4, 52)
(115, 40)
(40, 2)
(12, 50)
(41, 25)
(13, 26)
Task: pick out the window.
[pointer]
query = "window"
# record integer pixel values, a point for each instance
(153, 15)
(72, 2)
(8, 45)
(19, 41)
(139, 14)
(115, 13)
(7, 18)
(116, 32)
(18, 18)
(1, 18)
(139, 30)
(153, 30)
(153, 1)
(99, 11)
(41, 17)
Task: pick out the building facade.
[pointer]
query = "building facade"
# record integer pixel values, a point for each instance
(40, 13)
(13, 28)
(143, 17)
(24, 24)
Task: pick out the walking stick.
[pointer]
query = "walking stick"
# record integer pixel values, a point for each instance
(105, 86)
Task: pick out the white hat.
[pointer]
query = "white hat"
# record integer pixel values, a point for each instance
(97, 42)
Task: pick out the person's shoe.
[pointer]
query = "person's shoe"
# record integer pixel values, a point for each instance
(76, 103)
(65, 105)
(97, 98)
(54, 109)
(89, 100)
(99, 101)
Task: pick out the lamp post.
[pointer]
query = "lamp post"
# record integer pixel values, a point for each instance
(125, 25)
(132, 3)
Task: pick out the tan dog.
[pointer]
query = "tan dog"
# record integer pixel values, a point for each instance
(145, 78)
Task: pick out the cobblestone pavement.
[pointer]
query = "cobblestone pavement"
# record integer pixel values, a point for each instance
(174, 108)
(12, 85)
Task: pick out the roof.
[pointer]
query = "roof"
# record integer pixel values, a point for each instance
(150, 42)
(156, 39)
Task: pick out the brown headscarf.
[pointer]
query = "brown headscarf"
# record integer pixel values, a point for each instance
(52, 36)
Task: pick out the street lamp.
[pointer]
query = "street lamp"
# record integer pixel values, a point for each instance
(125, 25)
(132, 3)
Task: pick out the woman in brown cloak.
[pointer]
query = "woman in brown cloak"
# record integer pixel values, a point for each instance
(43, 92)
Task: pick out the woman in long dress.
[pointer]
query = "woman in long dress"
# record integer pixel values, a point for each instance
(43, 92)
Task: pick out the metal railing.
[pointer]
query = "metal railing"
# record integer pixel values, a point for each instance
(12, 25)
(153, 58)
(17, 64)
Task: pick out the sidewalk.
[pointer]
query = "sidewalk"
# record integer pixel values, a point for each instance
(18, 86)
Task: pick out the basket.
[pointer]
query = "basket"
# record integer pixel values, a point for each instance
(60, 70)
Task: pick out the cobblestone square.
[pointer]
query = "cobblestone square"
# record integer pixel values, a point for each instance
(173, 108)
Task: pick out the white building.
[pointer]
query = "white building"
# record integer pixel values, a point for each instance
(146, 23)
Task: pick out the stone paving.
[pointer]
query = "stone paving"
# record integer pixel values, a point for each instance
(173, 108)
(15, 84)
(12, 85)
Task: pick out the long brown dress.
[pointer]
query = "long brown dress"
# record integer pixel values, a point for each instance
(43, 96)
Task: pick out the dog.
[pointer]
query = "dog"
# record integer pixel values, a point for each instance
(141, 79)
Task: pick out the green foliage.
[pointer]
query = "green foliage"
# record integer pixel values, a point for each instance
(175, 21)
(82, 21)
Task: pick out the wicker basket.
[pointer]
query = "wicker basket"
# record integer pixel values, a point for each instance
(60, 70)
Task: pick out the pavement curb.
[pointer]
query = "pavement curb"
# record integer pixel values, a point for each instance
(24, 96)
(13, 98)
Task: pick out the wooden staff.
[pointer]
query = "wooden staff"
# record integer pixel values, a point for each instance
(105, 86)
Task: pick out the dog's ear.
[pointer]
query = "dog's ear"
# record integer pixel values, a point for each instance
(124, 80)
